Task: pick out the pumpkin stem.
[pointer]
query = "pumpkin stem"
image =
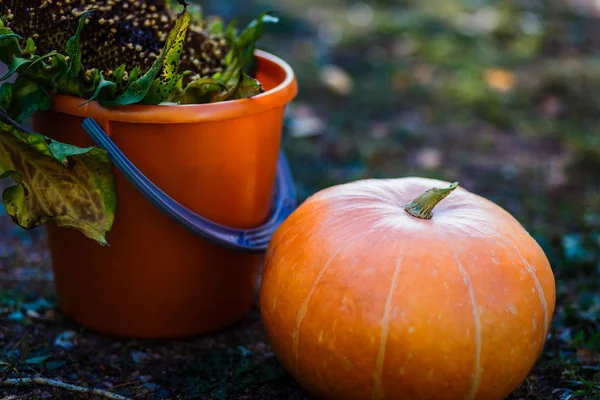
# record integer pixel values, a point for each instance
(422, 207)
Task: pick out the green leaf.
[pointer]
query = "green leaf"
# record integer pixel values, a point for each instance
(36, 360)
(61, 151)
(119, 73)
(37, 61)
(255, 28)
(118, 78)
(17, 62)
(66, 76)
(232, 81)
(215, 26)
(245, 45)
(59, 62)
(9, 35)
(56, 364)
(38, 305)
(5, 96)
(9, 45)
(25, 98)
(248, 87)
(231, 31)
(56, 182)
(74, 49)
(138, 89)
(30, 46)
(102, 85)
(199, 91)
(240, 62)
(51, 74)
(195, 10)
(177, 93)
(135, 73)
(168, 78)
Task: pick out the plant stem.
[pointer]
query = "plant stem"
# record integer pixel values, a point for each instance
(422, 207)
(17, 382)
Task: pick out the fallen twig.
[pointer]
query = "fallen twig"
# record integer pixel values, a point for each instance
(125, 384)
(67, 386)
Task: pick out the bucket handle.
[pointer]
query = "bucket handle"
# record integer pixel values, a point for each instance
(249, 240)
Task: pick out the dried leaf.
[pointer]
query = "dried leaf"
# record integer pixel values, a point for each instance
(56, 182)
(500, 80)
(168, 78)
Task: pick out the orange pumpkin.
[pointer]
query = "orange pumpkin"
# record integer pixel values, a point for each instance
(370, 293)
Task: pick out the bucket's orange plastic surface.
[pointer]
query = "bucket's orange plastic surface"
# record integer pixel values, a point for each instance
(157, 279)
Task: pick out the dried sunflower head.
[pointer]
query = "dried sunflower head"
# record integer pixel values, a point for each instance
(130, 32)
(121, 41)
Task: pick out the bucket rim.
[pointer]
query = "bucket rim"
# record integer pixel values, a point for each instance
(276, 97)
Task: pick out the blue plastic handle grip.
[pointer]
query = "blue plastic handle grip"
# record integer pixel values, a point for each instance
(249, 240)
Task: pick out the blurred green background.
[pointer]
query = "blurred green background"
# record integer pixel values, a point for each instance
(503, 96)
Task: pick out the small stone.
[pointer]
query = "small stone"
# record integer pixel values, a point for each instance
(429, 158)
(32, 314)
(66, 340)
(151, 386)
(15, 316)
(336, 79)
(139, 357)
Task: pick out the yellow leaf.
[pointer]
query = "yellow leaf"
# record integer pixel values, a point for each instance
(56, 182)
(500, 79)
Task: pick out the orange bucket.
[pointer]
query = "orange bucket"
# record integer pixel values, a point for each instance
(157, 279)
